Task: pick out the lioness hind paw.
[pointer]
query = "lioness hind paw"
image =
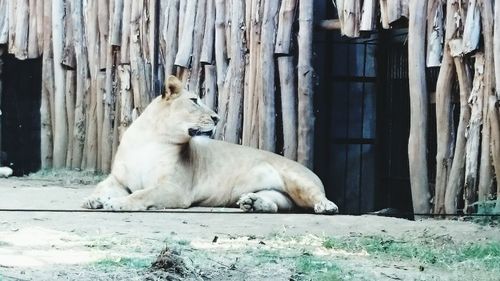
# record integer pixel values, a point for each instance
(326, 207)
(252, 202)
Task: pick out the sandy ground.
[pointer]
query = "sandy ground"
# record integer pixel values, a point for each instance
(38, 245)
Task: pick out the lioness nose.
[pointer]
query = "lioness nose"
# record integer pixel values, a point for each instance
(215, 118)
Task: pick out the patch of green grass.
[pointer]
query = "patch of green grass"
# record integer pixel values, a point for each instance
(183, 242)
(100, 244)
(265, 256)
(308, 267)
(428, 251)
(305, 266)
(72, 176)
(487, 254)
(136, 263)
(487, 207)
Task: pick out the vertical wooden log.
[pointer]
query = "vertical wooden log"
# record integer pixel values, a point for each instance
(103, 25)
(233, 126)
(32, 30)
(61, 126)
(110, 90)
(1, 68)
(495, 143)
(485, 169)
(91, 148)
(443, 112)
(287, 81)
(305, 88)
(126, 100)
(70, 111)
(39, 24)
(22, 27)
(146, 33)
(383, 14)
(220, 44)
(340, 9)
(351, 18)
(393, 10)
(12, 24)
(69, 62)
(368, 15)
(46, 143)
(473, 135)
(495, 119)
(4, 22)
(228, 10)
(457, 171)
(223, 104)
(69, 59)
(116, 125)
(82, 84)
(116, 24)
(405, 8)
(267, 133)
(417, 143)
(171, 37)
(182, 13)
(207, 51)
(284, 35)
(183, 57)
(435, 32)
(194, 81)
(91, 142)
(496, 51)
(154, 22)
(46, 136)
(209, 96)
(253, 91)
(472, 27)
(103, 22)
(288, 106)
(125, 33)
(137, 64)
(100, 93)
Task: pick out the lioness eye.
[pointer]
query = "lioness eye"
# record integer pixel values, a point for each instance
(195, 100)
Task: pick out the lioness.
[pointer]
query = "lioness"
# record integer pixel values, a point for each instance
(167, 160)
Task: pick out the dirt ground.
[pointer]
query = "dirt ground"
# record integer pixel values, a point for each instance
(38, 245)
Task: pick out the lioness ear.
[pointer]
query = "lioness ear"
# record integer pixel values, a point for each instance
(173, 88)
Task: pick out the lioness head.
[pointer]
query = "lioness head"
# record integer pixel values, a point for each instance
(181, 113)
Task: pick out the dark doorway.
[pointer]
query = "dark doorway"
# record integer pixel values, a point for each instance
(20, 105)
(393, 188)
(347, 122)
(363, 121)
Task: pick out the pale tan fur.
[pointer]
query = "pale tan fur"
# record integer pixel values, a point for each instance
(160, 165)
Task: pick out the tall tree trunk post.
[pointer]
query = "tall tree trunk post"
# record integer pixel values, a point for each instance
(267, 136)
(60, 126)
(457, 172)
(417, 143)
(485, 169)
(474, 135)
(443, 112)
(305, 86)
(234, 110)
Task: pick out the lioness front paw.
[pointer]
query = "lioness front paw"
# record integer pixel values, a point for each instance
(123, 204)
(326, 207)
(252, 202)
(92, 203)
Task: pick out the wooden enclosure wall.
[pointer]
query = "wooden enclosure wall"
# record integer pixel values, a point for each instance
(468, 153)
(103, 62)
